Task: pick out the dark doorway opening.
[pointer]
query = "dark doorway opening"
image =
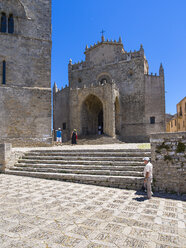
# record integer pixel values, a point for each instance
(92, 115)
(100, 122)
(117, 117)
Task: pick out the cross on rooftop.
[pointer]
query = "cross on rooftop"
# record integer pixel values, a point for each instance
(102, 32)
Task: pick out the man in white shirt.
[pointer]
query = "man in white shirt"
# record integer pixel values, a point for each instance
(148, 176)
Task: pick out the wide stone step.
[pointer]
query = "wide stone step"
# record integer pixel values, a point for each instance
(79, 171)
(85, 162)
(127, 182)
(95, 150)
(82, 167)
(87, 158)
(88, 154)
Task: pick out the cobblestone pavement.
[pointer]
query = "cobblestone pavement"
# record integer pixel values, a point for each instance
(38, 213)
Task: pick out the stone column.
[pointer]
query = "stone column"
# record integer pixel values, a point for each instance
(5, 151)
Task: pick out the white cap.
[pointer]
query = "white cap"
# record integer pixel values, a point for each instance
(146, 159)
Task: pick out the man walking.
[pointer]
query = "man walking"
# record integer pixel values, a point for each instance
(148, 176)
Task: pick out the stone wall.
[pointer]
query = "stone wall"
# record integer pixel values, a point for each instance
(61, 112)
(25, 97)
(25, 117)
(168, 154)
(5, 153)
(154, 96)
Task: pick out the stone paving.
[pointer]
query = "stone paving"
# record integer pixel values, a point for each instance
(38, 213)
(88, 147)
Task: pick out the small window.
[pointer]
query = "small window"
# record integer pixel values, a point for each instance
(64, 125)
(180, 111)
(171, 123)
(152, 120)
(4, 72)
(10, 24)
(175, 123)
(3, 23)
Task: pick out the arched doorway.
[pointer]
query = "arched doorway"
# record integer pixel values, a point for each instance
(117, 116)
(92, 115)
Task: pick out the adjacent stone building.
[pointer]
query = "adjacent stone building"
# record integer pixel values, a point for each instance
(111, 89)
(25, 71)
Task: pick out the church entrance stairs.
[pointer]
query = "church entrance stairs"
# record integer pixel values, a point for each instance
(122, 168)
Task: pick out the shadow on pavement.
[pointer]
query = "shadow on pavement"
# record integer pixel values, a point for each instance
(160, 195)
(140, 199)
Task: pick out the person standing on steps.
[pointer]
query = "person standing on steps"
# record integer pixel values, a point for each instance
(74, 137)
(59, 136)
(148, 176)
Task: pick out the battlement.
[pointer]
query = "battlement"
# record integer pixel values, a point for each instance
(108, 42)
(152, 75)
(127, 56)
(56, 90)
(94, 84)
(79, 65)
(106, 52)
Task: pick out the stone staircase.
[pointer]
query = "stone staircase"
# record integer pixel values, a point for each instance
(121, 168)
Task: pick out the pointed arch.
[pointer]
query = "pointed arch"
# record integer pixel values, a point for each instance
(104, 78)
(91, 115)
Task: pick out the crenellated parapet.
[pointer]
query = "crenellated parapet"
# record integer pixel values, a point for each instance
(152, 75)
(56, 90)
(161, 73)
(79, 65)
(127, 56)
(104, 53)
(94, 85)
(103, 41)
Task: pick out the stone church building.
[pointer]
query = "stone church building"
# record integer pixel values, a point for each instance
(111, 90)
(25, 71)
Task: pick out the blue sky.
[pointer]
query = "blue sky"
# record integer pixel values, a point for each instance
(160, 25)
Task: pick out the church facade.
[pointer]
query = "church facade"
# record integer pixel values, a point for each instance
(111, 91)
(25, 72)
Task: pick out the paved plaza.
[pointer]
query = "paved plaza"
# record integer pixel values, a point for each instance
(38, 213)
